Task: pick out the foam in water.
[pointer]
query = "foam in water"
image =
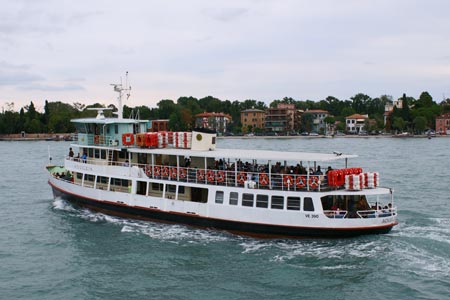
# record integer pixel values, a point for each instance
(161, 231)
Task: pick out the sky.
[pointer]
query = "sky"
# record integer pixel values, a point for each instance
(71, 51)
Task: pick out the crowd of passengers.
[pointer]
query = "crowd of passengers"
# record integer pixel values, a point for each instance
(277, 168)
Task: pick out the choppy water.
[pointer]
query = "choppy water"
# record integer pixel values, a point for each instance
(50, 250)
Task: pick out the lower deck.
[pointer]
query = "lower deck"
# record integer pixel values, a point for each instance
(230, 203)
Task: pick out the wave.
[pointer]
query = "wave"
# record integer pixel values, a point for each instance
(155, 230)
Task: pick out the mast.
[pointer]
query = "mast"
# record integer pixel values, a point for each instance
(119, 88)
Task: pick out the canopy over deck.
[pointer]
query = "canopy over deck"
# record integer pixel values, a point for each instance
(245, 154)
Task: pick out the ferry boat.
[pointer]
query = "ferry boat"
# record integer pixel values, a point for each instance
(123, 169)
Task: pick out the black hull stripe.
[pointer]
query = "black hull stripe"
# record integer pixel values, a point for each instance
(252, 229)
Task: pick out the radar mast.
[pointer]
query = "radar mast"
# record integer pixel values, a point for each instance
(121, 89)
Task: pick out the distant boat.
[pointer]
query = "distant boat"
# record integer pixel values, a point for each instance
(403, 135)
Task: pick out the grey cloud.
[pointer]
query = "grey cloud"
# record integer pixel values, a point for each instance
(13, 74)
(51, 88)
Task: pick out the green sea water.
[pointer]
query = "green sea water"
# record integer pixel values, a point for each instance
(51, 250)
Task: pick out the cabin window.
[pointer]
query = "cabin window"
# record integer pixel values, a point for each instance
(199, 195)
(141, 188)
(120, 182)
(102, 183)
(262, 201)
(277, 202)
(181, 189)
(214, 140)
(97, 153)
(219, 197)
(157, 187)
(90, 152)
(116, 129)
(79, 176)
(103, 154)
(247, 200)
(171, 188)
(123, 154)
(308, 204)
(293, 203)
(234, 198)
(89, 177)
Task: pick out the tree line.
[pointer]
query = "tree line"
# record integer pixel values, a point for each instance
(415, 115)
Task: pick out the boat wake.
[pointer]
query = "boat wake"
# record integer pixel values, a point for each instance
(155, 230)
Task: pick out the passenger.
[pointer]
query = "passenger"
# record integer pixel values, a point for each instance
(78, 157)
(318, 171)
(329, 169)
(70, 152)
(84, 157)
(126, 163)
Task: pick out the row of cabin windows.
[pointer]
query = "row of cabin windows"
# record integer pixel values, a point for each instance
(171, 188)
(99, 153)
(262, 201)
(104, 180)
(94, 128)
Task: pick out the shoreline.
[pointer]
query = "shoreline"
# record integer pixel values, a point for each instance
(66, 137)
(333, 137)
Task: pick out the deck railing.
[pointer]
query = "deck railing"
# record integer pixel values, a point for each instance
(257, 180)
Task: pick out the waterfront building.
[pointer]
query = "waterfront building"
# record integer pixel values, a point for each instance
(217, 122)
(319, 116)
(355, 123)
(443, 124)
(281, 119)
(252, 118)
(159, 125)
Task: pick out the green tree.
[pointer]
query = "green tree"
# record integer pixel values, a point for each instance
(399, 124)
(306, 122)
(425, 100)
(360, 103)
(420, 124)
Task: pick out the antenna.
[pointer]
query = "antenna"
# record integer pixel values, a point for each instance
(119, 88)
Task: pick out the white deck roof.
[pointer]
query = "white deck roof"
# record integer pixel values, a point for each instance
(244, 154)
(107, 121)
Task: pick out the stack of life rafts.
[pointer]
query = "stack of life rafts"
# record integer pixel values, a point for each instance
(164, 139)
(353, 179)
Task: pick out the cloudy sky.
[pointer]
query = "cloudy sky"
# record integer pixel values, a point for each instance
(71, 51)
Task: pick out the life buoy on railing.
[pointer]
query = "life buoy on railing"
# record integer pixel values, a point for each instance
(182, 173)
(220, 176)
(241, 178)
(263, 179)
(288, 180)
(165, 171)
(173, 173)
(157, 171)
(140, 139)
(200, 175)
(300, 182)
(313, 182)
(127, 139)
(210, 176)
(148, 170)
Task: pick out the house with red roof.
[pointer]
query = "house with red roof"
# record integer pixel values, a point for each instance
(217, 122)
(355, 123)
(443, 124)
